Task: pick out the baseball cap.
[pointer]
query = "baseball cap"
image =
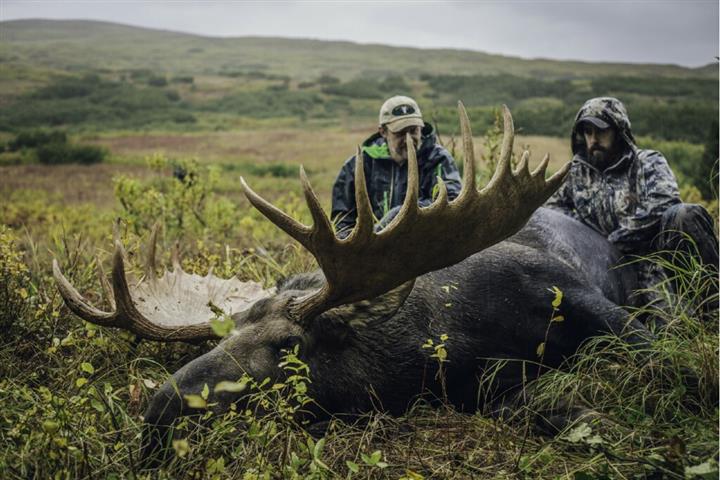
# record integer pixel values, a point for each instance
(400, 112)
(598, 122)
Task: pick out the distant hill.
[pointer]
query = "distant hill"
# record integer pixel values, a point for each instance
(87, 75)
(76, 44)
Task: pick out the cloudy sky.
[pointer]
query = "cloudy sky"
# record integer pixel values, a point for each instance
(683, 32)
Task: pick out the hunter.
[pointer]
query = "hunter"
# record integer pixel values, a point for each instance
(630, 195)
(385, 157)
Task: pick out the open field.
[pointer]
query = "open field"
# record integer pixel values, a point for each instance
(237, 153)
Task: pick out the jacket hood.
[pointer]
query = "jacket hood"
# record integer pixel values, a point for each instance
(376, 147)
(609, 109)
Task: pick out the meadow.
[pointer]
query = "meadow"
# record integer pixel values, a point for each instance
(73, 394)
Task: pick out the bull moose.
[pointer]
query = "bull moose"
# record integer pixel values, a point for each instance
(477, 269)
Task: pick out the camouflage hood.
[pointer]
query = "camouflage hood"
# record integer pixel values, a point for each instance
(609, 109)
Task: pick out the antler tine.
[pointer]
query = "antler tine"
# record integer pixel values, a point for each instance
(409, 208)
(121, 292)
(522, 168)
(507, 143)
(364, 221)
(540, 170)
(321, 224)
(107, 291)
(558, 177)
(442, 196)
(77, 303)
(286, 223)
(150, 263)
(469, 187)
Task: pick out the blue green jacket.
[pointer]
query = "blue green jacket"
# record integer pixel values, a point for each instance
(387, 181)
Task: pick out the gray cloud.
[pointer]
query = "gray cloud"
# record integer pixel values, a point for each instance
(680, 32)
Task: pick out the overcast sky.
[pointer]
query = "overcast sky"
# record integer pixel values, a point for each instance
(683, 32)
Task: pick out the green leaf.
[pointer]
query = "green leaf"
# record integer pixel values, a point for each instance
(558, 296)
(87, 368)
(80, 382)
(558, 319)
(579, 433)
(707, 470)
(50, 426)
(233, 387)
(181, 447)
(540, 349)
(352, 466)
(317, 451)
(222, 326)
(97, 405)
(195, 401)
(205, 392)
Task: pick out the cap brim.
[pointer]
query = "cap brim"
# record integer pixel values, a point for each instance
(402, 123)
(598, 122)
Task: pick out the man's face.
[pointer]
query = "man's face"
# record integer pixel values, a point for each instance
(396, 142)
(600, 143)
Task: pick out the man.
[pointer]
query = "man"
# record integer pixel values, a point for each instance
(630, 195)
(385, 157)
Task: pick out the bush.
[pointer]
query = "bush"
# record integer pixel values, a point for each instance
(36, 138)
(59, 153)
(157, 81)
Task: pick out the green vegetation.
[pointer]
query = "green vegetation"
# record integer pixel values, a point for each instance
(73, 393)
(52, 148)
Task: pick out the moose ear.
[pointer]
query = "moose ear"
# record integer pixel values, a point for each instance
(364, 313)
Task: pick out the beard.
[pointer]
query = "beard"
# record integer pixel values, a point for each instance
(598, 156)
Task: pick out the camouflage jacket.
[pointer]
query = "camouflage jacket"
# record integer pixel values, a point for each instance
(625, 201)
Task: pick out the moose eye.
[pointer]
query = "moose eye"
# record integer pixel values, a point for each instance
(289, 343)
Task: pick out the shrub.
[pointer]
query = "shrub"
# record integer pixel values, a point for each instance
(36, 138)
(157, 81)
(59, 153)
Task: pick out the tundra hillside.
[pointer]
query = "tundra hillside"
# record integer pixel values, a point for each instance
(95, 118)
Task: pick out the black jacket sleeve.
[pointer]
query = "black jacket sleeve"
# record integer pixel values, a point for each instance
(445, 168)
(344, 212)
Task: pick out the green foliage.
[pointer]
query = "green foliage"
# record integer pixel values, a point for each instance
(665, 108)
(57, 153)
(91, 100)
(15, 285)
(179, 203)
(36, 138)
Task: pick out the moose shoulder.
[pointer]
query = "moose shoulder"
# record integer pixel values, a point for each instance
(476, 269)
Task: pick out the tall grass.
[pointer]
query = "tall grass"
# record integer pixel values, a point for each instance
(72, 394)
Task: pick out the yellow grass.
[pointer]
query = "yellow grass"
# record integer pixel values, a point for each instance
(321, 152)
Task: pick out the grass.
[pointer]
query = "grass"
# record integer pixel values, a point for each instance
(73, 393)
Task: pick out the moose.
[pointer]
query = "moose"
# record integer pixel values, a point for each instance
(477, 269)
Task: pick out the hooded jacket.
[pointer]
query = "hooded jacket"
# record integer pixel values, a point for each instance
(626, 200)
(387, 181)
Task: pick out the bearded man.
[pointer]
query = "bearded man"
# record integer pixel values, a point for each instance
(631, 196)
(385, 155)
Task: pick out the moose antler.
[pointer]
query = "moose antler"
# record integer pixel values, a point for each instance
(175, 307)
(418, 240)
